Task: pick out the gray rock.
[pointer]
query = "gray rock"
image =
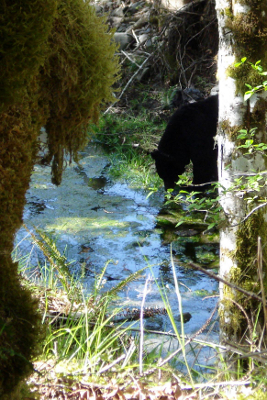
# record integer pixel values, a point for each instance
(143, 38)
(118, 12)
(115, 22)
(123, 39)
(133, 8)
(98, 8)
(141, 21)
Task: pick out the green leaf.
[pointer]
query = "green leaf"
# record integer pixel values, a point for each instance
(248, 95)
(211, 225)
(240, 62)
(179, 223)
(242, 136)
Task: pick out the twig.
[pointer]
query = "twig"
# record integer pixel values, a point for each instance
(191, 338)
(142, 326)
(198, 33)
(136, 38)
(166, 360)
(130, 81)
(212, 384)
(230, 284)
(139, 69)
(134, 75)
(129, 58)
(107, 367)
(250, 213)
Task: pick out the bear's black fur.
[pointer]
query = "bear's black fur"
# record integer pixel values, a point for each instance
(189, 136)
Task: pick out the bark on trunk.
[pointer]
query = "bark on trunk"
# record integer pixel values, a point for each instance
(241, 23)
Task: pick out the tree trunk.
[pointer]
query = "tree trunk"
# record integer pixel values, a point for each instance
(242, 33)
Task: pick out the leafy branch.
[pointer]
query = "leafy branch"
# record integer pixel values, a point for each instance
(259, 69)
(245, 184)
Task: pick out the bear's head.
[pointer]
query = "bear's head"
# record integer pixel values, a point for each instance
(167, 168)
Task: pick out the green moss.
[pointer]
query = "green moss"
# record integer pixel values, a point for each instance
(78, 77)
(247, 238)
(250, 40)
(244, 74)
(21, 336)
(229, 12)
(231, 131)
(57, 69)
(23, 44)
(19, 319)
(245, 275)
(250, 34)
(257, 117)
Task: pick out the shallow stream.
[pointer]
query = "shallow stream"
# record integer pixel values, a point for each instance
(97, 220)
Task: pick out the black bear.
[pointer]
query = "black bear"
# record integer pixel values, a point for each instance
(189, 135)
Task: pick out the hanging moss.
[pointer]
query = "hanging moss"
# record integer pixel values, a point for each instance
(58, 79)
(78, 76)
(23, 44)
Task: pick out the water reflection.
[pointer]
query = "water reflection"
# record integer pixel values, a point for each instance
(95, 220)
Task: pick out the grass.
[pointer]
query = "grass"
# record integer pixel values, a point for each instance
(129, 138)
(138, 170)
(84, 349)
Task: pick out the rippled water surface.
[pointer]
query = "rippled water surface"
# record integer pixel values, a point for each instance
(96, 220)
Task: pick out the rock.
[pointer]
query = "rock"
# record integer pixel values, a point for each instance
(141, 21)
(98, 8)
(123, 39)
(143, 38)
(118, 12)
(133, 8)
(186, 317)
(115, 22)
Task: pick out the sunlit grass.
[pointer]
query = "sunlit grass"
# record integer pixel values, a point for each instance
(84, 342)
(129, 139)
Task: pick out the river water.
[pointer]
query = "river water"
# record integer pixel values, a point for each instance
(96, 220)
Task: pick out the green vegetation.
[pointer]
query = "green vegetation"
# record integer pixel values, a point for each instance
(82, 337)
(255, 182)
(129, 139)
(57, 69)
(85, 347)
(247, 313)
